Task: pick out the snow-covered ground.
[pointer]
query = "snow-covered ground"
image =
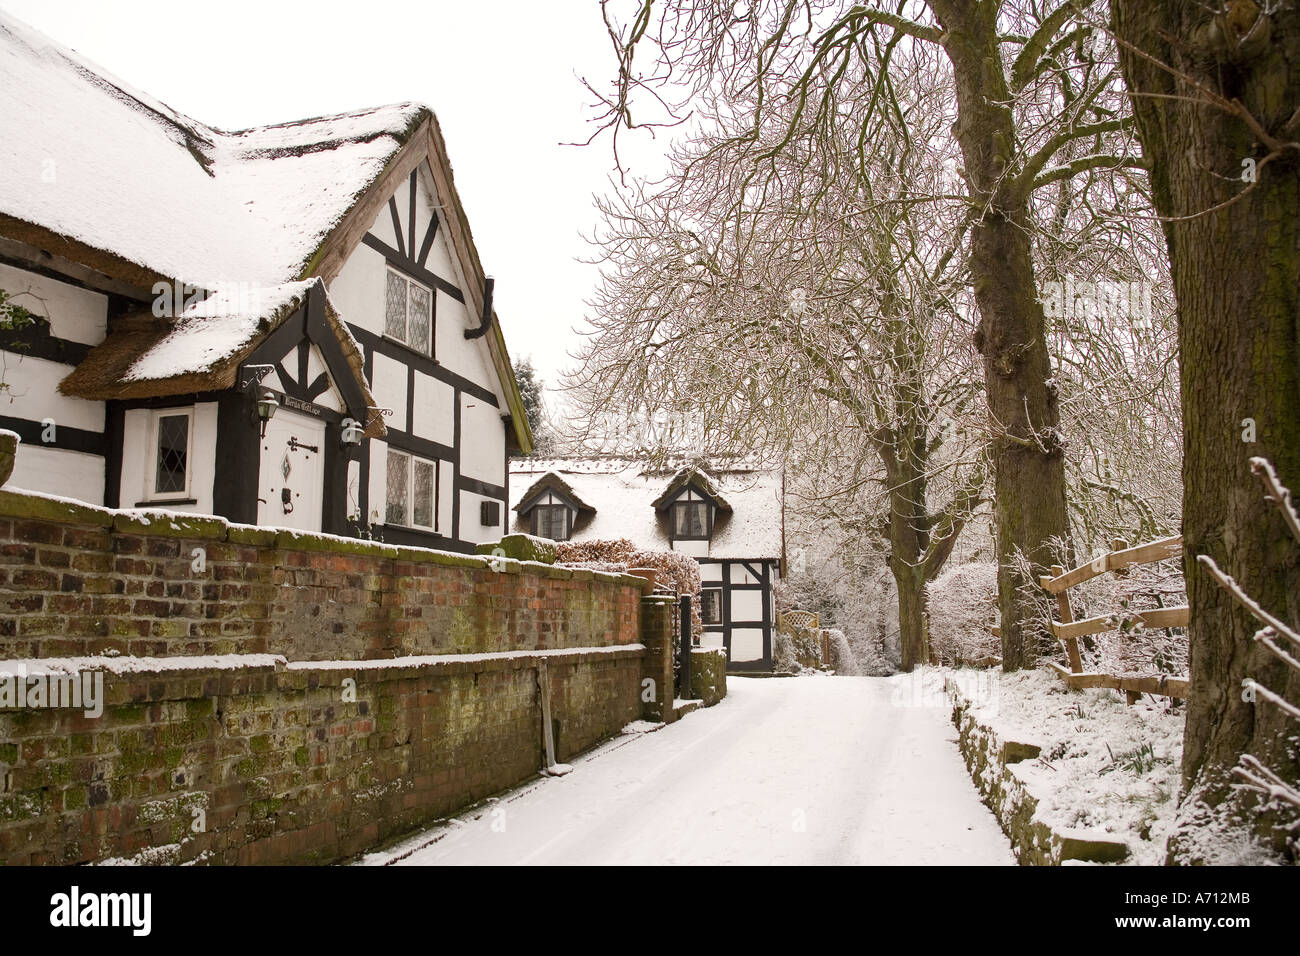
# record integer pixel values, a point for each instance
(1104, 766)
(807, 770)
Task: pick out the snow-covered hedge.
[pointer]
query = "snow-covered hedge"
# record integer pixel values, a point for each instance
(843, 660)
(963, 605)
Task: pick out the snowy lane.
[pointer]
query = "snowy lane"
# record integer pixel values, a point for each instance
(815, 770)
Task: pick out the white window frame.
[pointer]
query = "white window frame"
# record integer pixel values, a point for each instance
(151, 472)
(405, 339)
(408, 520)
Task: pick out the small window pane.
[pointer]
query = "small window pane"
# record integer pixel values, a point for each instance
(711, 606)
(422, 499)
(552, 521)
(419, 319)
(691, 519)
(173, 452)
(395, 309)
(399, 469)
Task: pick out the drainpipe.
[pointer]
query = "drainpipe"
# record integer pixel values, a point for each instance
(485, 322)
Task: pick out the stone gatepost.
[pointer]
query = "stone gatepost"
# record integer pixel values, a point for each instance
(657, 611)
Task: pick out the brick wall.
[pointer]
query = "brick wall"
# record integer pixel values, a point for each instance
(289, 764)
(658, 623)
(365, 690)
(77, 580)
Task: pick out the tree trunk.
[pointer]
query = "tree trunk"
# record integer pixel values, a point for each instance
(911, 617)
(1028, 460)
(908, 535)
(1236, 274)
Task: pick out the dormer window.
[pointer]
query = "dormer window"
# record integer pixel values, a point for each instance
(691, 503)
(551, 508)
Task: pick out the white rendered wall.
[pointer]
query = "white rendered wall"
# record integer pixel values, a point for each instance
(59, 471)
(746, 643)
(482, 441)
(74, 313)
(33, 392)
(746, 605)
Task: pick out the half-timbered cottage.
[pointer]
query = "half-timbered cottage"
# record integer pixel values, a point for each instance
(728, 516)
(287, 325)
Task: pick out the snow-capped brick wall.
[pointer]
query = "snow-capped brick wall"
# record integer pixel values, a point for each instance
(708, 674)
(79, 580)
(251, 760)
(289, 698)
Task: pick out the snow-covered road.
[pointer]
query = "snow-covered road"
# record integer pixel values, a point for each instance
(811, 770)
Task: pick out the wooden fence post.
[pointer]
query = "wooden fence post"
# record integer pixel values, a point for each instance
(1067, 617)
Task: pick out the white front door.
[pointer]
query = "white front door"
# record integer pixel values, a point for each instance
(291, 474)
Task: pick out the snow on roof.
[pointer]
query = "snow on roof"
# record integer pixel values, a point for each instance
(90, 158)
(214, 329)
(201, 349)
(623, 491)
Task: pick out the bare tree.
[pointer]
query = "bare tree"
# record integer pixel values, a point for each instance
(812, 314)
(1027, 87)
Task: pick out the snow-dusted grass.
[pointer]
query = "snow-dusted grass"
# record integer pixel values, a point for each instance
(1104, 765)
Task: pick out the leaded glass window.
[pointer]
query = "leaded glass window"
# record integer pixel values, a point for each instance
(408, 313)
(412, 487)
(399, 477)
(422, 499)
(172, 466)
(395, 308)
(418, 319)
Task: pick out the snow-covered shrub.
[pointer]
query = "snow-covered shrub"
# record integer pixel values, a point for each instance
(842, 658)
(784, 660)
(862, 605)
(797, 648)
(963, 605)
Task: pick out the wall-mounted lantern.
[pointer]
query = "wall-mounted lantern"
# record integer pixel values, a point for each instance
(266, 406)
(265, 400)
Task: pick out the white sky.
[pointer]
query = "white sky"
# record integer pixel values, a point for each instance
(502, 77)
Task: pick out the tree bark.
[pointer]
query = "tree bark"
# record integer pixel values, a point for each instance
(1236, 274)
(908, 535)
(1028, 459)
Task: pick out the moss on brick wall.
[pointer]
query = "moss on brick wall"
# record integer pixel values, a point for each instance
(708, 674)
(274, 762)
(299, 764)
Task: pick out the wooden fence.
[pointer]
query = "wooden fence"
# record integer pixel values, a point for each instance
(1068, 631)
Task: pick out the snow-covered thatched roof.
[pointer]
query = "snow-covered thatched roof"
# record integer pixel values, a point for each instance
(94, 161)
(623, 492)
(201, 348)
(109, 179)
